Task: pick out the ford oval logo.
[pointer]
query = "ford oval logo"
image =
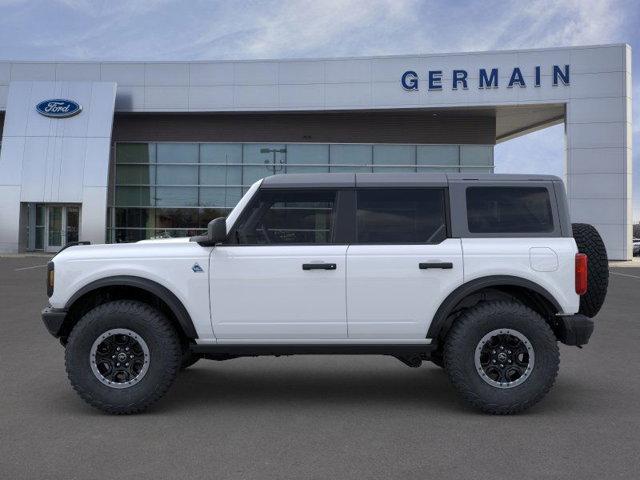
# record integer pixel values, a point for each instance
(58, 108)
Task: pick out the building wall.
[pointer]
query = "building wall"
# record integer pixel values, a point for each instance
(597, 100)
(55, 160)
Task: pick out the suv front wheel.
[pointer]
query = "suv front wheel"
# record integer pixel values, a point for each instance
(501, 356)
(122, 356)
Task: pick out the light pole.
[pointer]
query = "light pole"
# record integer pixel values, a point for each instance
(273, 162)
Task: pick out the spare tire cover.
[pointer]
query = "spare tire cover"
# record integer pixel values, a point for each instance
(590, 243)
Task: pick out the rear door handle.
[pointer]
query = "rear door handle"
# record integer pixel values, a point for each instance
(442, 265)
(319, 266)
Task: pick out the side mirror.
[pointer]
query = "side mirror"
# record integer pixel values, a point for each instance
(216, 233)
(217, 230)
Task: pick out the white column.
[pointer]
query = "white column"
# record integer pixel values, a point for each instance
(599, 162)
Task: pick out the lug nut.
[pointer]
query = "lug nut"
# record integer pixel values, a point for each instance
(126, 364)
(113, 356)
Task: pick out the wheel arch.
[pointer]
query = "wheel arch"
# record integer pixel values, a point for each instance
(128, 286)
(528, 292)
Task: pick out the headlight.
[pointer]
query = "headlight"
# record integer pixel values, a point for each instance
(50, 279)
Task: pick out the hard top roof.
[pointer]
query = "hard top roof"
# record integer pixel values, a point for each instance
(346, 180)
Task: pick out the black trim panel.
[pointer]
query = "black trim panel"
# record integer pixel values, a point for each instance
(440, 318)
(313, 349)
(574, 330)
(176, 306)
(53, 319)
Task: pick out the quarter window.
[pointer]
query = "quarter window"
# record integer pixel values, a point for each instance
(397, 216)
(289, 217)
(509, 210)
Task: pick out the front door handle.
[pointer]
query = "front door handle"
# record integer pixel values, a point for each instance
(319, 266)
(442, 265)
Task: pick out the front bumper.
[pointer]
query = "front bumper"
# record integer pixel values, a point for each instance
(53, 319)
(574, 330)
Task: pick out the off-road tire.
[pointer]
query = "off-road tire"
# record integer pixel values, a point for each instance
(589, 242)
(164, 352)
(464, 337)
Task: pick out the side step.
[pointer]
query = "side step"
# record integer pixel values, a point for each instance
(254, 350)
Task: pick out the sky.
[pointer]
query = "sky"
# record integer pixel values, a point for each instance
(252, 29)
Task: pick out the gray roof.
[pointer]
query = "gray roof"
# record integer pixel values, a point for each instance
(345, 180)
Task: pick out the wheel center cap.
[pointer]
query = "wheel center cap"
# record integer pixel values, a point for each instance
(122, 357)
(502, 357)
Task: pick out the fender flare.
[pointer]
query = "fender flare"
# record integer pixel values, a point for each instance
(160, 291)
(439, 321)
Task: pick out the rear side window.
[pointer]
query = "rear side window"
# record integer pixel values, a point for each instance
(509, 210)
(397, 216)
(289, 217)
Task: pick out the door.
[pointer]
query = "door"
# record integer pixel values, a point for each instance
(72, 224)
(54, 229)
(402, 265)
(61, 226)
(281, 275)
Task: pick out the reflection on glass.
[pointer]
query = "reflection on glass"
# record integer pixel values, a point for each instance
(55, 227)
(73, 224)
(151, 177)
(351, 158)
(307, 158)
(178, 152)
(476, 156)
(402, 156)
(437, 157)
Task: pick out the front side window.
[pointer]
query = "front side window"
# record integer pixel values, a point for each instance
(289, 217)
(397, 216)
(509, 210)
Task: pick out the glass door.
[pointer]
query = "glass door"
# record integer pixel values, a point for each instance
(54, 229)
(55, 226)
(72, 224)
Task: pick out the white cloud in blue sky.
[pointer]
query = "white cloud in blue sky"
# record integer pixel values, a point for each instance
(250, 29)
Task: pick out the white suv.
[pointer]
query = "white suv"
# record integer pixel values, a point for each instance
(479, 274)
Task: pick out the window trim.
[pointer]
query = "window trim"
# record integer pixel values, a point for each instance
(459, 222)
(445, 206)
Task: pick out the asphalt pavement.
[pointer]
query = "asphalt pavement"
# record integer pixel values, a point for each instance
(321, 417)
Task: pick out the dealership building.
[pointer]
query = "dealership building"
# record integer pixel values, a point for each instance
(123, 151)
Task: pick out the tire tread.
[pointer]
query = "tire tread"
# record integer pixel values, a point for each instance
(164, 330)
(457, 337)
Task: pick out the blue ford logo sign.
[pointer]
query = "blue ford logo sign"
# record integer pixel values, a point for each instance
(58, 108)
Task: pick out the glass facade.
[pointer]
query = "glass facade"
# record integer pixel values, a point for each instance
(175, 189)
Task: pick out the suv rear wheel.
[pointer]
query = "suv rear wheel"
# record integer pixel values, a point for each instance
(122, 356)
(589, 242)
(502, 357)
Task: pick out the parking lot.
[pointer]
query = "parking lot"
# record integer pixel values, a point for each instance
(316, 417)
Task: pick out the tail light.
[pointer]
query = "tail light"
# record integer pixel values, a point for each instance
(581, 273)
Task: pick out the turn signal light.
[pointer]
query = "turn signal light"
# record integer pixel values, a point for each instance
(581, 273)
(50, 279)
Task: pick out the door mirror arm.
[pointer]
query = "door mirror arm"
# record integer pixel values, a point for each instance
(216, 233)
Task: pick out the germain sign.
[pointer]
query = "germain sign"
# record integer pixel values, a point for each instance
(58, 108)
(487, 78)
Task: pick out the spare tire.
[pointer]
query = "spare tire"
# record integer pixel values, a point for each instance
(590, 243)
